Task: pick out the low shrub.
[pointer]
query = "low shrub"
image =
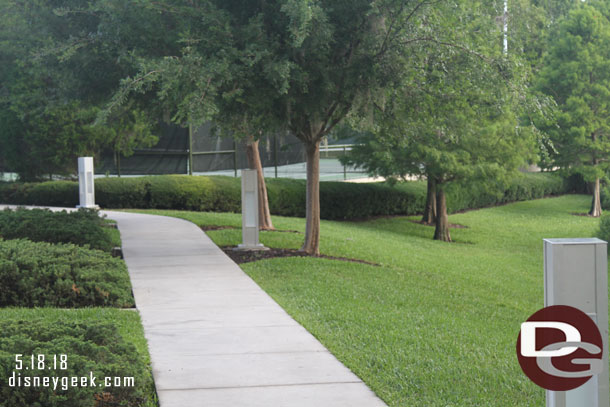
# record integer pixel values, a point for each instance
(338, 200)
(220, 193)
(39, 274)
(49, 193)
(605, 198)
(524, 187)
(122, 192)
(91, 349)
(82, 227)
(604, 228)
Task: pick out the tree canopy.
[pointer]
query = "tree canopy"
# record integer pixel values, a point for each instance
(576, 75)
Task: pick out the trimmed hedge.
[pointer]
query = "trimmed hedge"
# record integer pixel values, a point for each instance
(49, 193)
(40, 274)
(82, 227)
(338, 200)
(92, 348)
(525, 187)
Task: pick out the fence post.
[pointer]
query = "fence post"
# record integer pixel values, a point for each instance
(275, 152)
(235, 157)
(344, 167)
(190, 149)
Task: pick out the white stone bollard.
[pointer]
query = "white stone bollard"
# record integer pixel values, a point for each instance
(249, 211)
(576, 274)
(86, 188)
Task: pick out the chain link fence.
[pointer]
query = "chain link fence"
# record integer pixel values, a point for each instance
(282, 155)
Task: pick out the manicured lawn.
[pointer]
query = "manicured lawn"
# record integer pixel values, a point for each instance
(436, 323)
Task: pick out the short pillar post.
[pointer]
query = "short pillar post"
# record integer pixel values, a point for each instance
(576, 274)
(249, 211)
(86, 188)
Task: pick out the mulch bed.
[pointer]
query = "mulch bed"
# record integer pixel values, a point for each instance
(205, 228)
(216, 227)
(451, 225)
(243, 256)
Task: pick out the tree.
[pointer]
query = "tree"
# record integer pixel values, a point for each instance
(323, 61)
(314, 62)
(61, 62)
(452, 120)
(211, 73)
(576, 75)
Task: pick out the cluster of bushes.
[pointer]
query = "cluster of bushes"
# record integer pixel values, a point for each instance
(83, 227)
(338, 200)
(604, 228)
(39, 274)
(522, 188)
(94, 347)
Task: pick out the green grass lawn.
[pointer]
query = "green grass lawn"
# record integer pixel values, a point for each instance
(113, 234)
(436, 323)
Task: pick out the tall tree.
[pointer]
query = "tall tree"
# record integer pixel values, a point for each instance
(325, 60)
(452, 120)
(60, 63)
(576, 75)
(212, 72)
(316, 62)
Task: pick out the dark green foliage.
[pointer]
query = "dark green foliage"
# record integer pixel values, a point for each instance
(339, 200)
(605, 198)
(576, 74)
(49, 193)
(195, 193)
(39, 274)
(121, 192)
(604, 228)
(525, 187)
(83, 227)
(95, 347)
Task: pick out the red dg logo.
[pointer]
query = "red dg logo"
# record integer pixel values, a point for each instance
(560, 348)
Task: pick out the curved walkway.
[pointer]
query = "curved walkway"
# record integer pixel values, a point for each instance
(215, 338)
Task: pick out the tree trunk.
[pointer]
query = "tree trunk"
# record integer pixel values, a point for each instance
(254, 162)
(596, 205)
(442, 219)
(312, 229)
(429, 217)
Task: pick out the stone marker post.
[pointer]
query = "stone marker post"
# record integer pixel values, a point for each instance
(249, 211)
(86, 189)
(576, 274)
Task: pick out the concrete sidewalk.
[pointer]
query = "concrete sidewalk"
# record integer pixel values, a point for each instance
(215, 338)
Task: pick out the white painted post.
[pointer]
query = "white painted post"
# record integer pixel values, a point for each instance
(249, 211)
(86, 187)
(576, 274)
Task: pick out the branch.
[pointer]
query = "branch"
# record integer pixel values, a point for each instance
(123, 93)
(449, 44)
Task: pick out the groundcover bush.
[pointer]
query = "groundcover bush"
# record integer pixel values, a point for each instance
(82, 227)
(91, 349)
(39, 274)
(604, 228)
(338, 200)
